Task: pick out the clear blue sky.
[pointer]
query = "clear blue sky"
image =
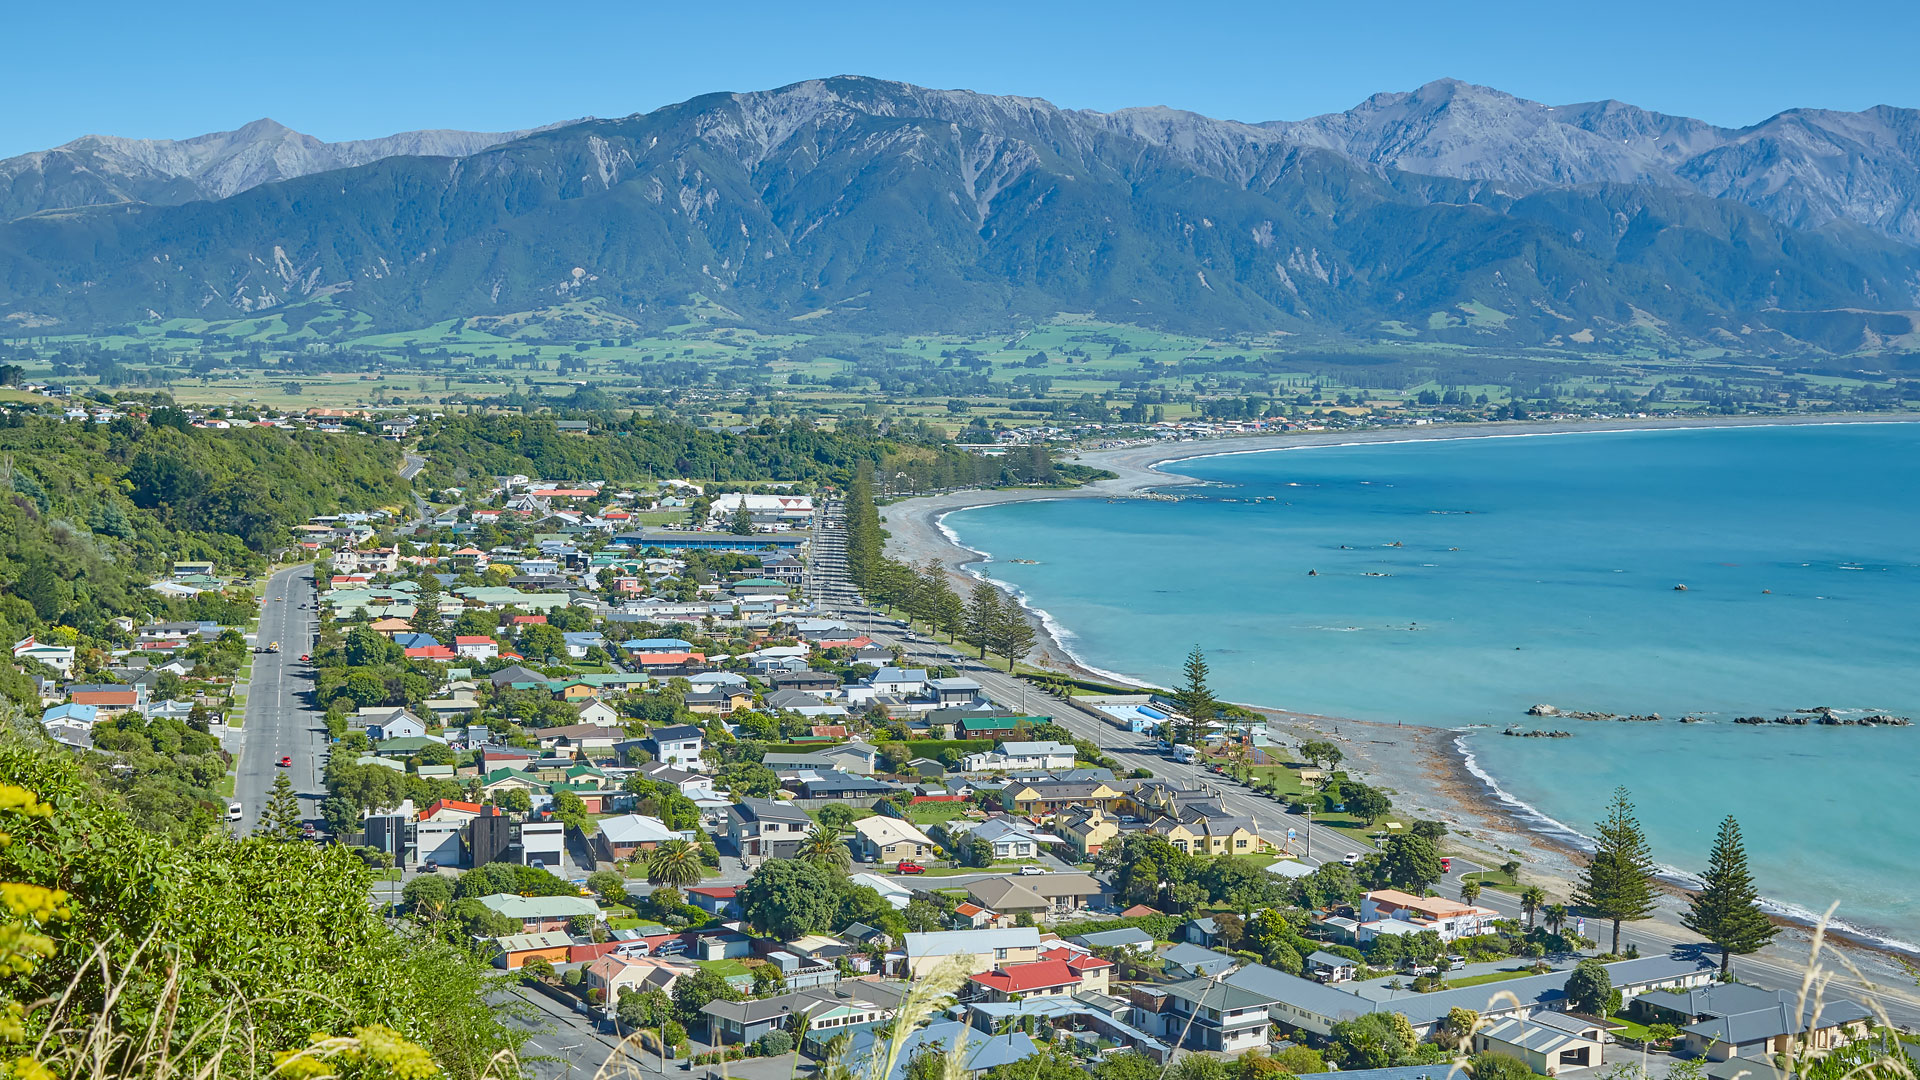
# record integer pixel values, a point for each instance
(354, 69)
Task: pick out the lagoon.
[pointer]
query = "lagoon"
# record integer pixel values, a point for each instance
(1457, 583)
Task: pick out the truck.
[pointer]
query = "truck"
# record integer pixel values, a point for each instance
(1183, 753)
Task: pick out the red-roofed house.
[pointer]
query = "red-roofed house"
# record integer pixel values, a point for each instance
(1043, 978)
(452, 810)
(1138, 910)
(975, 917)
(431, 652)
(529, 620)
(471, 556)
(564, 493)
(829, 731)
(668, 659)
(721, 900)
(475, 647)
(1093, 970)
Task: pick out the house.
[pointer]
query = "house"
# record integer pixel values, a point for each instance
(1133, 939)
(1203, 1014)
(1022, 757)
(813, 682)
(978, 1050)
(579, 737)
(1041, 895)
(383, 722)
(516, 949)
(79, 715)
(898, 682)
(679, 745)
(890, 840)
(1039, 799)
(1326, 967)
(979, 950)
(892, 892)
(721, 900)
(1725, 1021)
(1449, 918)
(613, 973)
(968, 915)
(837, 786)
(1086, 830)
(476, 647)
(541, 914)
(597, 713)
(1197, 962)
(718, 700)
(1206, 829)
(854, 757)
(1010, 982)
(764, 828)
(624, 836)
(1547, 1041)
(799, 701)
(826, 1010)
(955, 692)
(108, 699)
(58, 657)
(1011, 838)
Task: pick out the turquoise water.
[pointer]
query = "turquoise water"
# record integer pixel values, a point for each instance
(1460, 582)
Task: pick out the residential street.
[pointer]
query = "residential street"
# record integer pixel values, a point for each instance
(837, 599)
(281, 719)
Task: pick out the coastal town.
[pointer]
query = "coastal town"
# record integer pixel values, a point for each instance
(711, 781)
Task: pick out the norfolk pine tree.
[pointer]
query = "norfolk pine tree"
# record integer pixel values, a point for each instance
(1618, 885)
(983, 610)
(1196, 699)
(1013, 635)
(1726, 910)
(281, 819)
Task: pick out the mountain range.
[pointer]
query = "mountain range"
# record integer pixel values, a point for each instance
(1450, 213)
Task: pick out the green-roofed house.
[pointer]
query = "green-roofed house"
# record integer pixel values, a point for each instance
(977, 727)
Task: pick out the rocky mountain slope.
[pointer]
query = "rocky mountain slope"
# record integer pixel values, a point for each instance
(100, 169)
(868, 205)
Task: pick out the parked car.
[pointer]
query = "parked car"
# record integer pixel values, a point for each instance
(1446, 865)
(1455, 963)
(1026, 870)
(431, 866)
(905, 867)
(234, 810)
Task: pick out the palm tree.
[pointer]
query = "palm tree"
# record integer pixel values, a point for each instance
(1555, 916)
(675, 862)
(823, 847)
(1531, 898)
(1469, 891)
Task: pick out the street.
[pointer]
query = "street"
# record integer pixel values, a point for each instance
(281, 720)
(836, 597)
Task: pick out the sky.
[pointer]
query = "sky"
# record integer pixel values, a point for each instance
(354, 69)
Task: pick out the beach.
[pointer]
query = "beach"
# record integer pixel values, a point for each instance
(1422, 766)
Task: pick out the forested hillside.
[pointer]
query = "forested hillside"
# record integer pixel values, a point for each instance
(97, 511)
(464, 450)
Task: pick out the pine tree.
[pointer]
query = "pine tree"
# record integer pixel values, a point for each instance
(983, 611)
(1013, 635)
(426, 606)
(1196, 699)
(281, 819)
(1618, 885)
(1726, 910)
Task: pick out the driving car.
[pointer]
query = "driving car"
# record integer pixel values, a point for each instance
(1351, 858)
(234, 810)
(285, 762)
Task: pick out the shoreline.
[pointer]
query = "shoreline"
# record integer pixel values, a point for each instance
(1428, 769)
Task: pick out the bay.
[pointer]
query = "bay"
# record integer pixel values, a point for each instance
(1457, 583)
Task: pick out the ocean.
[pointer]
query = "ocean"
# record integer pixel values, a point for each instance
(1457, 583)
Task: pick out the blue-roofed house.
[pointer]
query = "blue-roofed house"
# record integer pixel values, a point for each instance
(579, 641)
(981, 1051)
(657, 644)
(1197, 962)
(1132, 939)
(71, 714)
(415, 641)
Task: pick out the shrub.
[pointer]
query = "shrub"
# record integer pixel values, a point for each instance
(774, 1043)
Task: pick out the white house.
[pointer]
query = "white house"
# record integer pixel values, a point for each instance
(1021, 757)
(597, 713)
(476, 648)
(1449, 918)
(383, 722)
(678, 746)
(907, 682)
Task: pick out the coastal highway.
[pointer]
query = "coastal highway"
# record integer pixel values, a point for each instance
(828, 586)
(281, 720)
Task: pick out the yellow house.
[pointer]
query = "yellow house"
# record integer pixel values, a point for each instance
(720, 702)
(579, 691)
(1205, 834)
(1052, 797)
(1086, 830)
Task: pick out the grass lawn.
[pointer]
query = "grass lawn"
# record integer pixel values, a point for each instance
(956, 871)
(1632, 1029)
(724, 968)
(389, 873)
(1494, 879)
(1490, 977)
(934, 813)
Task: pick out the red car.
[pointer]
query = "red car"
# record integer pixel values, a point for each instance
(306, 659)
(909, 868)
(286, 763)
(1446, 865)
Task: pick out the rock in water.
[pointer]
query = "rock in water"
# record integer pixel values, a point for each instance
(1543, 710)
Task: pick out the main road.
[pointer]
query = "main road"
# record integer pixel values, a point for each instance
(836, 596)
(281, 719)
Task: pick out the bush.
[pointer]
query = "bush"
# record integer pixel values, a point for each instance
(572, 976)
(774, 1043)
(1492, 1066)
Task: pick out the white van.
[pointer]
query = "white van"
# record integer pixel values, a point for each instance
(234, 810)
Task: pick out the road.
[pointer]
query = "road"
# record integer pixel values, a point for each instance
(563, 1045)
(410, 465)
(281, 719)
(828, 587)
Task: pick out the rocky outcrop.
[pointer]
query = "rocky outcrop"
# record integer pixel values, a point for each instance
(1537, 733)
(1818, 716)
